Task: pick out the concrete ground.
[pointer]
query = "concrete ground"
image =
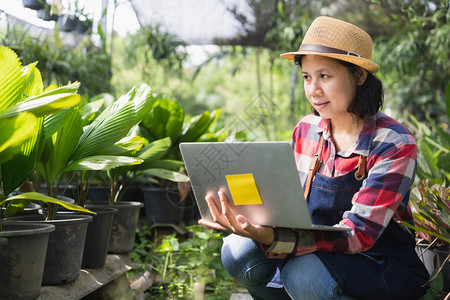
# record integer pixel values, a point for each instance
(241, 294)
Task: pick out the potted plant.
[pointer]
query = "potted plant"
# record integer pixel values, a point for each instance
(34, 4)
(48, 13)
(153, 169)
(71, 147)
(23, 103)
(430, 204)
(167, 119)
(98, 149)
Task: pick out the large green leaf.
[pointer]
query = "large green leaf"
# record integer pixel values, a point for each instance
(155, 150)
(60, 146)
(42, 105)
(143, 101)
(102, 163)
(11, 78)
(33, 84)
(90, 110)
(167, 174)
(114, 122)
(127, 146)
(165, 119)
(16, 170)
(43, 198)
(168, 164)
(15, 131)
(198, 125)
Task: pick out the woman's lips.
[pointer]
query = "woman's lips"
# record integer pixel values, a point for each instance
(320, 105)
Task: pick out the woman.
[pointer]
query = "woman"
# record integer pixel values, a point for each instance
(357, 166)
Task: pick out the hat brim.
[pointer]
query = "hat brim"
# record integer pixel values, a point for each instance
(359, 61)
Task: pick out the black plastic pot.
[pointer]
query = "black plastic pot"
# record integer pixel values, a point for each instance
(22, 259)
(65, 246)
(427, 256)
(99, 193)
(163, 206)
(442, 255)
(46, 15)
(67, 23)
(124, 226)
(34, 4)
(98, 236)
(84, 26)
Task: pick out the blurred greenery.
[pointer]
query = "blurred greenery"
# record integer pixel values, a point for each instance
(180, 265)
(259, 94)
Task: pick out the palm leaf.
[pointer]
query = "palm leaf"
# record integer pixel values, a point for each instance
(11, 79)
(60, 146)
(165, 119)
(43, 198)
(114, 122)
(43, 104)
(155, 150)
(167, 174)
(127, 146)
(33, 84)
(168, 164)
(14, 132)
(16, 170)
(102, 163)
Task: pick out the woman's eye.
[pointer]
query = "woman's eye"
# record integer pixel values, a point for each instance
(306, 77)
(324, 76)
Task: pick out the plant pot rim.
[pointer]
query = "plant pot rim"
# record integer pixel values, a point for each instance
(122, 204)
(60, 218)
(21, 228)
(101, 209)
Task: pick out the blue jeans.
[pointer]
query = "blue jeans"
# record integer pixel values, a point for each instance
(304, 277)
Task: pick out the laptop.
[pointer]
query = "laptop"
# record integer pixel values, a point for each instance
(259, 178)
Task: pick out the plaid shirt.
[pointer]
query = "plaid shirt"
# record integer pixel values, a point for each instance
(391, 164)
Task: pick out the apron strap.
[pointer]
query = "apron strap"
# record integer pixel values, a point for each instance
(314, 168)
(361, 171)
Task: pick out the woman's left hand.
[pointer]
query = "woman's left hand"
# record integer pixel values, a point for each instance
(224, 219)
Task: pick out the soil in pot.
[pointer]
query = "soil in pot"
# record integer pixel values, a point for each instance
(22, 259)
(98, 236)
(65, 246)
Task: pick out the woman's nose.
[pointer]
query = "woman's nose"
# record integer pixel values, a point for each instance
(315, 89)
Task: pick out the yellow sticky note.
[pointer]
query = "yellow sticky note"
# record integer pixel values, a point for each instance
(243, 189)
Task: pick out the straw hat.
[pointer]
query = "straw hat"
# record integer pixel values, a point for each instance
(337, 39)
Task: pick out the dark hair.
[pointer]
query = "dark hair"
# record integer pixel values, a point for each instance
(369, 96)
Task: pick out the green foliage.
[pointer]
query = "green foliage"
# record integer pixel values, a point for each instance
(180, 265)
(23, 104)
(70, 146)
(433, 143)
(60, 63)
(166, 119)
(430, 206)
(150, 46)
(414, 62)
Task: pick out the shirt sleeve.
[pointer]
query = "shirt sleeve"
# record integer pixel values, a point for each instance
(391, 170)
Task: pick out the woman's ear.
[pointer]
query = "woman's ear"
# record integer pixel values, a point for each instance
(362, 76)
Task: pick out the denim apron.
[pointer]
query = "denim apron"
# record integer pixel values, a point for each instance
(390, 269)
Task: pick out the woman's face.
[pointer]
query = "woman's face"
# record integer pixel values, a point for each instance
(329, 86)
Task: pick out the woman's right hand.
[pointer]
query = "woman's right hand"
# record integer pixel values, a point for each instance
(225, 219)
